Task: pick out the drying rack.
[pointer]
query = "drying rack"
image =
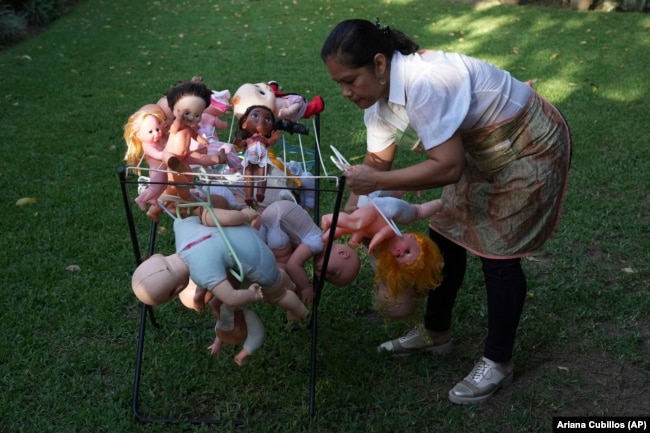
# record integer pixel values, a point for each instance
(147, 312)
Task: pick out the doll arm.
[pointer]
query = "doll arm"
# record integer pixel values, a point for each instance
(228, 217)
(275, 136)
(199, 138)
(151, 151)
(177, 125)
(295, 267)
(236, 298)
(383, 234)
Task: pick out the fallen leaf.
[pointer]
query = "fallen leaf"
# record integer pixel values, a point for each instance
(25, 200)
(629, 270)
(553, 56)
(72, 268)
(559, 367)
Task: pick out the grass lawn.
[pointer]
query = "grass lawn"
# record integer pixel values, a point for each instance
(70, 321)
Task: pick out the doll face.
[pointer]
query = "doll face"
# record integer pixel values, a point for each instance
(150, 131)
(405, 249)
(259, 120)
(190, 109)
(342, 267)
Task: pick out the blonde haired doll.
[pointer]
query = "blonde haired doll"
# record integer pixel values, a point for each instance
(144, 137)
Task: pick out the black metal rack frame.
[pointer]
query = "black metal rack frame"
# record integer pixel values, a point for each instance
(148, 311)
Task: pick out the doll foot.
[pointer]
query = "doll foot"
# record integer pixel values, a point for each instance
(241, 356)
(174, 163)
(260, 198)
(154, 213)
(314, 107)
(249, 201)
(141, 203)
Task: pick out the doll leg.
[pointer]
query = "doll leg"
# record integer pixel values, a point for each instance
(282, 293)
(261, 186)
(427, 209)
(153, 191)
(179, 167)
(248, 193)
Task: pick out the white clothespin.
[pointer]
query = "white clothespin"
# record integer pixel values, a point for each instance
(339, 160)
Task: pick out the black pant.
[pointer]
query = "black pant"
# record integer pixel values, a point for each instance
(505, 283)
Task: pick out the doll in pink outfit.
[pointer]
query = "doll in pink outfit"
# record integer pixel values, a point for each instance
(293, 107)
(210, 123)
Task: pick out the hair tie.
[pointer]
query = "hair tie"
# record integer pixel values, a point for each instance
(384, 30)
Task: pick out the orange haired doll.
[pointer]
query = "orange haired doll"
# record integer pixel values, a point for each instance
(404, 277)
(407, 265)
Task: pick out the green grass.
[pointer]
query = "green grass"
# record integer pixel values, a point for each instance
(68, 339)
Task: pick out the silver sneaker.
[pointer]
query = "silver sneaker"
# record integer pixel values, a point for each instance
(416, 340)
(485, 379)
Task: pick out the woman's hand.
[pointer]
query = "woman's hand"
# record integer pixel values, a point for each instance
(361, 179)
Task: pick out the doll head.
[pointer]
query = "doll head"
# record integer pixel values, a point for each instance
(143, 126)
(159, 278)
(411, 261)
(342, 267)
(399, 307)
(188, 99)
(249, 95)
(257, 119)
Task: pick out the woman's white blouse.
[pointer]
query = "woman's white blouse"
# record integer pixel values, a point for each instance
(439, 93)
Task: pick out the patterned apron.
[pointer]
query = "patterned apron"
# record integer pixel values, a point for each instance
(509, 198)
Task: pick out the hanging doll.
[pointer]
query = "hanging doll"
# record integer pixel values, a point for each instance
(294, 238)
(407, 265)
(144, 136)
(293, 107)
(210, 123)
(202, 253)
(187, 101)
(253, 105)
(237, 326)
(367, 222)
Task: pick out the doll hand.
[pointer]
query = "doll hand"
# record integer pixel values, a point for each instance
(257, 291)
(307, 295)
(250, 213)
(215, 348)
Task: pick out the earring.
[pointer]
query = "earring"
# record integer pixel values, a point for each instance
(382, 81)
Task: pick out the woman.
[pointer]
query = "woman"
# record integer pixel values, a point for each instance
(500, 151)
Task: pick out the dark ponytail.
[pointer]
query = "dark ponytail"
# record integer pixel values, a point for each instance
(355, 42)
